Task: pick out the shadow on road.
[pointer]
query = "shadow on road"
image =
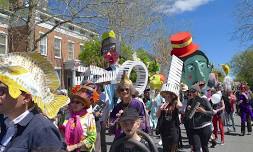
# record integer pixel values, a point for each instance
(232, 134)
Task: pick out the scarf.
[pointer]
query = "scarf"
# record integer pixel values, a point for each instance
(74, 131)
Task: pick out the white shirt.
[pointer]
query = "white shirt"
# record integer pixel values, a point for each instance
(11, 129)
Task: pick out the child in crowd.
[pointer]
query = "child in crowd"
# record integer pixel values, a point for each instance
(132, 140)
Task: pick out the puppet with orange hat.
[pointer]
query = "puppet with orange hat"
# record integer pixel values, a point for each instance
(197, 67)
(196, 70)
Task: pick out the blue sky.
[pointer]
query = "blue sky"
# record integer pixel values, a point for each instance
(212, 24)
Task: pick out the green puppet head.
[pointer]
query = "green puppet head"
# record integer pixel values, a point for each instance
(196, 68)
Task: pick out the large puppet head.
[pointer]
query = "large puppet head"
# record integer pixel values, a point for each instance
(196, 64)
(108, 48)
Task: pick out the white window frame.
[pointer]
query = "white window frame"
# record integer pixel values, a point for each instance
(6, 41)
(59, 38)
(46, 44)
(73, 57)
(58, 68)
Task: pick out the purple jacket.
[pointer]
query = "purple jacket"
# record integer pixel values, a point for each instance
(245, 107)
(120, 106)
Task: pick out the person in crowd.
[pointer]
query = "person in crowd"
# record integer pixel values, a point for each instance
(26, 103)
(99, 108)
(186, 121)
(158, 101)
(168, 114)
(151, 107)
(146, 96)
(209, 93)
(130, 124)
(218, 117)
(80, 127)
(229, 100)
(183, 99)
(125, 91)
(245, 110)
(146, 118)
(237, 105)
(201, 121)
(103, 114)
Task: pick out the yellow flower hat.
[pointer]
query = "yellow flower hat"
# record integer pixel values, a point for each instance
(33, 74)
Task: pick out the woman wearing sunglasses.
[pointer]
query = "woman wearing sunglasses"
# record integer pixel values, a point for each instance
(80, 128)
(125, 91)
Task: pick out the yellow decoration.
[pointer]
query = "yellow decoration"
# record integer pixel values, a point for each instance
(16, 70)
(110, 34)
(13, 87)
(225, 68)
(125, 80)
(156, 81)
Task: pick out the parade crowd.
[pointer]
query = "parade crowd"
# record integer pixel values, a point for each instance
(36, 117)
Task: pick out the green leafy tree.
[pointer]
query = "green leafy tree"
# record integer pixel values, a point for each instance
(242, 66)
(4, 4)
(149, 60)
(91, 54)
(126, 52)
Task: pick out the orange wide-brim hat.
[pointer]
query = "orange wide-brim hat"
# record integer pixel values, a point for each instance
(182, 45)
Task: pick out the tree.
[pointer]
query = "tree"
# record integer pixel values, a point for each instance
(162, 51)
(131, 20)
(242, 66)
(149, 60)
(244, 22)
(91, 53)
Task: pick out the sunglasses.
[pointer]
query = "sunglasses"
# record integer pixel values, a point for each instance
(124, 89)
(3, 91)
(109, 48)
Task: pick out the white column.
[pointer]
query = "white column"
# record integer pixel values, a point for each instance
(74, 78)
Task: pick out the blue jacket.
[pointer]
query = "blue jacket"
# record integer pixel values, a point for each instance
(34, 132)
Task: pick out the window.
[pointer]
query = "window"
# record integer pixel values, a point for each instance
(3, 43)
(70, 50)
(58, 71)
(82, 32)
(71, 27)
(43, 45)
(57, 47)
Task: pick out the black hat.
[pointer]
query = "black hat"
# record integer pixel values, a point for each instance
(129, 114)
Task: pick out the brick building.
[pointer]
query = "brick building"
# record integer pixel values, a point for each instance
(61, 47)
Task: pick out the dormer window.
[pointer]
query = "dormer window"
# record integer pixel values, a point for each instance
(83, 32)
(71, 27)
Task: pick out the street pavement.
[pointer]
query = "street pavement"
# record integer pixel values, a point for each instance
(233, 141)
